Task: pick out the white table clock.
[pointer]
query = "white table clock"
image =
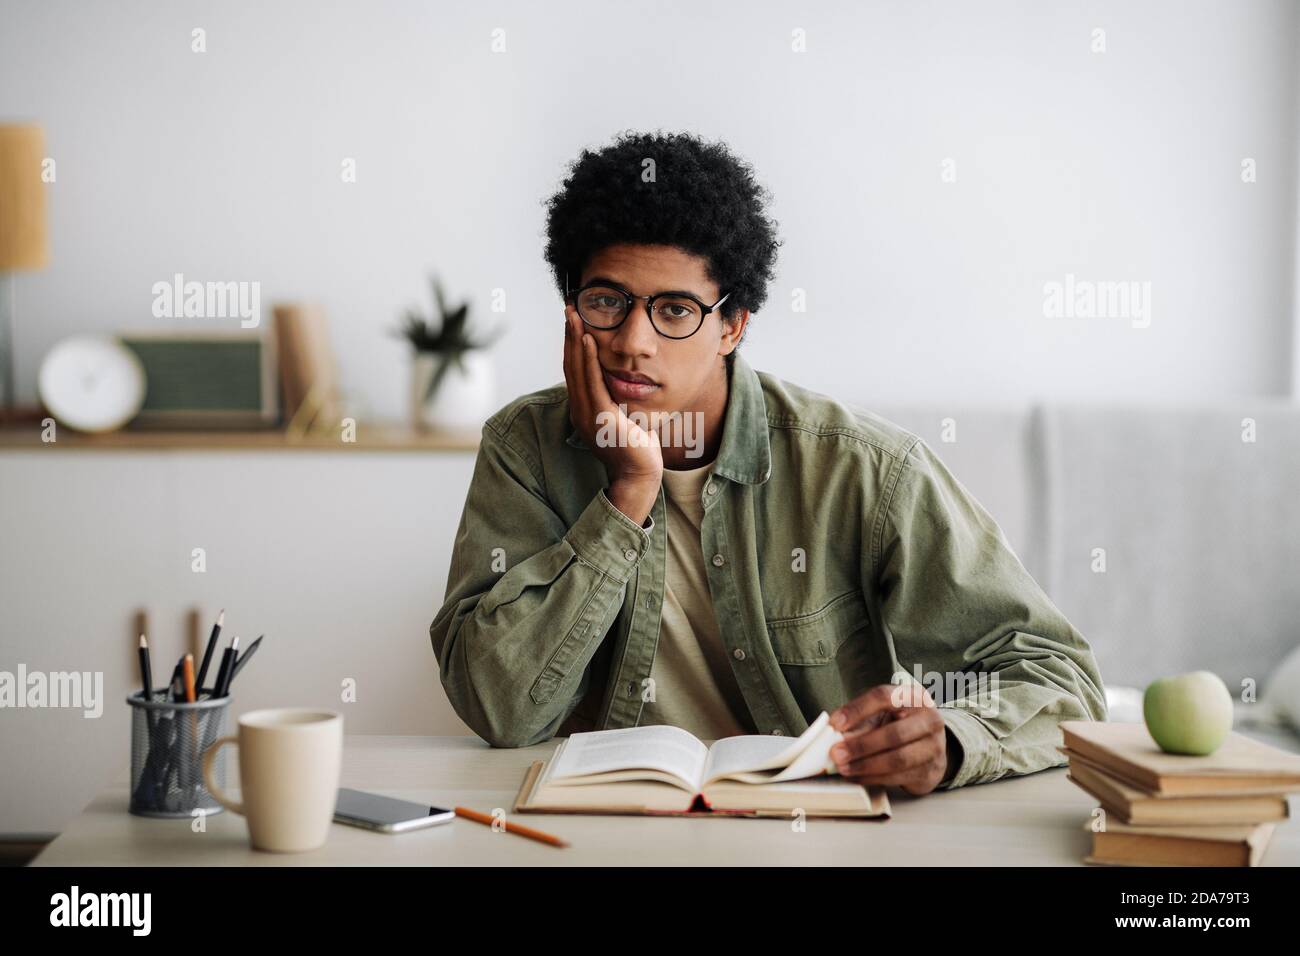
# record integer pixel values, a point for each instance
(92, 383)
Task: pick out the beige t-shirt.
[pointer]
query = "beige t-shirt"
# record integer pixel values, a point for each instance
(694, 686)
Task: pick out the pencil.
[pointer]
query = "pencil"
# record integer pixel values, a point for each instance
(243, 658)
(212, 644)
(187, 674)
(146, 672)
(222, 687)
(467, 814)
(149, 775)
(174, 691)
(187, 678)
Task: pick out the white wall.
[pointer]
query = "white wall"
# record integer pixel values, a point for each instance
(1115, 166)
(340, 559)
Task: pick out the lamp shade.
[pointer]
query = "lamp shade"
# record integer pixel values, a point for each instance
(23, 241)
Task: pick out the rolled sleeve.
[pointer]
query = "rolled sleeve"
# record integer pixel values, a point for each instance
(608, 540)
(980, 753)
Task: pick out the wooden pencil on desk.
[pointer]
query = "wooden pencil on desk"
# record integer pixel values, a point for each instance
(515, 828)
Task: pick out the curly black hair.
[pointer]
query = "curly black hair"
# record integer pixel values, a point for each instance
(702, 200)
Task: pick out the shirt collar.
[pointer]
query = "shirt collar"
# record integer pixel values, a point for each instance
(745, 454)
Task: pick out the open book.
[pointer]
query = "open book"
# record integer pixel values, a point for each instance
(663, 769)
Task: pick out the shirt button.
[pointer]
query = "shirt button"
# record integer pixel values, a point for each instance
(719, 560)
(630, 554)
(710, 488)
(738, 654)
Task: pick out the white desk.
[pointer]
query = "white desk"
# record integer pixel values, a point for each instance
(1036, 820)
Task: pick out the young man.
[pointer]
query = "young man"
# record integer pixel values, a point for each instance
(672, 537)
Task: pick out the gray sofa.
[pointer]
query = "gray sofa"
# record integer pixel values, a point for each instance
(1200, 529)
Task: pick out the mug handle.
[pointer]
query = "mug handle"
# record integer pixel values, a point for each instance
(208, 756)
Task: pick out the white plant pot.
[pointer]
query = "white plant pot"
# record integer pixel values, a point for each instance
(464, 397)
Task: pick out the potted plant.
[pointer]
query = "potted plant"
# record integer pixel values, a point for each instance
(452, 377)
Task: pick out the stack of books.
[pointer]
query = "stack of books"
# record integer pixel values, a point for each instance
(1163, 809)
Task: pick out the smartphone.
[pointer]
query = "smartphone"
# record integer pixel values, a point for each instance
(373, 811)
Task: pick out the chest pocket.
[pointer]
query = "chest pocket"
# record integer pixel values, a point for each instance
(815, 638)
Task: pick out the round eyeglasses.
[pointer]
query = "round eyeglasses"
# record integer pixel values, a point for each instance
(674, 315)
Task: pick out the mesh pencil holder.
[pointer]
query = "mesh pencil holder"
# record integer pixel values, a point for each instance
(167, 743)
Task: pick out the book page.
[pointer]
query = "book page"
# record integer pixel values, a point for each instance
(815, 760)
(758, 759)
(749, 752)
(665, 748)
(824, 796)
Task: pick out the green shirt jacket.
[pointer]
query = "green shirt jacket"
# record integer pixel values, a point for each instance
(841, 553)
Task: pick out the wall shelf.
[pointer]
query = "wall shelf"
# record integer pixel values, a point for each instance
(377, 436)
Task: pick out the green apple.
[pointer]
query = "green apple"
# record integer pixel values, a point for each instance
(1188, 714)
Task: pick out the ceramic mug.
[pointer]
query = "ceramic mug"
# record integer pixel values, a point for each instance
(289, 763)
